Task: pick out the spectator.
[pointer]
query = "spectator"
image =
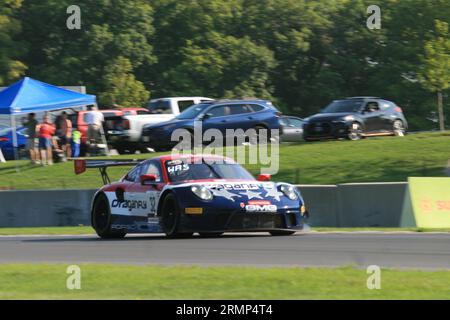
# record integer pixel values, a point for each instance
(31, 124)
(46, 132)
(65, 134)
(76, 142)
(94, 119)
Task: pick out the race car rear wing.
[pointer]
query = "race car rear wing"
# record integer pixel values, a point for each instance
(80, 166)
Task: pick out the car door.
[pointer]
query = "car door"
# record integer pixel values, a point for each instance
(217, 117)
(372, 117)
(388, 115)
(144, 198)
(293, 130)
(241, 117)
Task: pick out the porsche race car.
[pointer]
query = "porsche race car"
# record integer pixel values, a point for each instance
(180, 195)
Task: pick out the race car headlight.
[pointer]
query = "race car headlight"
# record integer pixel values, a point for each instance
(202, 192)
(289, 191)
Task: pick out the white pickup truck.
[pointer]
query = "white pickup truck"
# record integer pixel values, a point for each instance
(163, 109)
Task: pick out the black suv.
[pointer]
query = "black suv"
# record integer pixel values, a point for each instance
(354, 118)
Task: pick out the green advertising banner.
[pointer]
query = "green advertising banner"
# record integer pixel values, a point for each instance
(427, 203)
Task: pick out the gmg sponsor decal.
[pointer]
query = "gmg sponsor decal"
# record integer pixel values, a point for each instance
(260, 206)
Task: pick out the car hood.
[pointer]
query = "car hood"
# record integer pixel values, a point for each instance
(329, 116)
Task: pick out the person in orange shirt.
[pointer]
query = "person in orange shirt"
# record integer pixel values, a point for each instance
(46, 132)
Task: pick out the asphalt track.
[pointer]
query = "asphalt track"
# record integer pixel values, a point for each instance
(396, 250)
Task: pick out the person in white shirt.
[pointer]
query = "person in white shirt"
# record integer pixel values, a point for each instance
(94, 120)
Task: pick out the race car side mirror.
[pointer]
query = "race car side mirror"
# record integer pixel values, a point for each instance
(147, 179)
(264, 177)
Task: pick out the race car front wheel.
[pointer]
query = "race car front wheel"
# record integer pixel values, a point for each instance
(101, 219)
(170, 218)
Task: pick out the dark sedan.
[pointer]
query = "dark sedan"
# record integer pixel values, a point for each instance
(355, 118)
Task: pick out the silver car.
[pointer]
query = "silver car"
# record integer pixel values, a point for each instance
(291, 129)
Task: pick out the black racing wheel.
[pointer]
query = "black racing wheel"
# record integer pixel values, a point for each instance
(101, 219)
(170, 218)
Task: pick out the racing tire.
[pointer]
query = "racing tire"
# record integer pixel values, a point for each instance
(210, 234)
(398, 128)
(281, 233)
(355, 132)
(170, 218)
(102, 219)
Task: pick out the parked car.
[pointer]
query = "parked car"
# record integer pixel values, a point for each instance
(221, 115)
(6, 142)
(174, 105)
(79, 120)
(354, 118)
(128, 138)
(291, 129)
(134, 111)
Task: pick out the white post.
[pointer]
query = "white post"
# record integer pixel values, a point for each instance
(14, 136)
(103, 136)
(2, 158)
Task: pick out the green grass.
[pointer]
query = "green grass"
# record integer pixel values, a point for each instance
(369, 160)
(46, 231)
(89, 230)
(381, 229)
(48, 281)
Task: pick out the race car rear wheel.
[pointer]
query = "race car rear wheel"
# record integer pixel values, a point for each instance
(281, 233)
(170, 218)
(101, 219)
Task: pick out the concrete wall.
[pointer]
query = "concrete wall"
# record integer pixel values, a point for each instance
(45, 208)
(344, 205)
(321, 202)
(355, 204)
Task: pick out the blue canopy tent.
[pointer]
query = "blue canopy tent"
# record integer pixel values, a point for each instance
(29, 95)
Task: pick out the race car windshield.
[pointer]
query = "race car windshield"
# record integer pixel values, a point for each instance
(192, 112)
(179, 171)
(343, 106)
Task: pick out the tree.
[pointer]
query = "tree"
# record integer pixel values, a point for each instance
(109, 29)
(435, 75)
(226, 67)
(121, 87)
(10, 67)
